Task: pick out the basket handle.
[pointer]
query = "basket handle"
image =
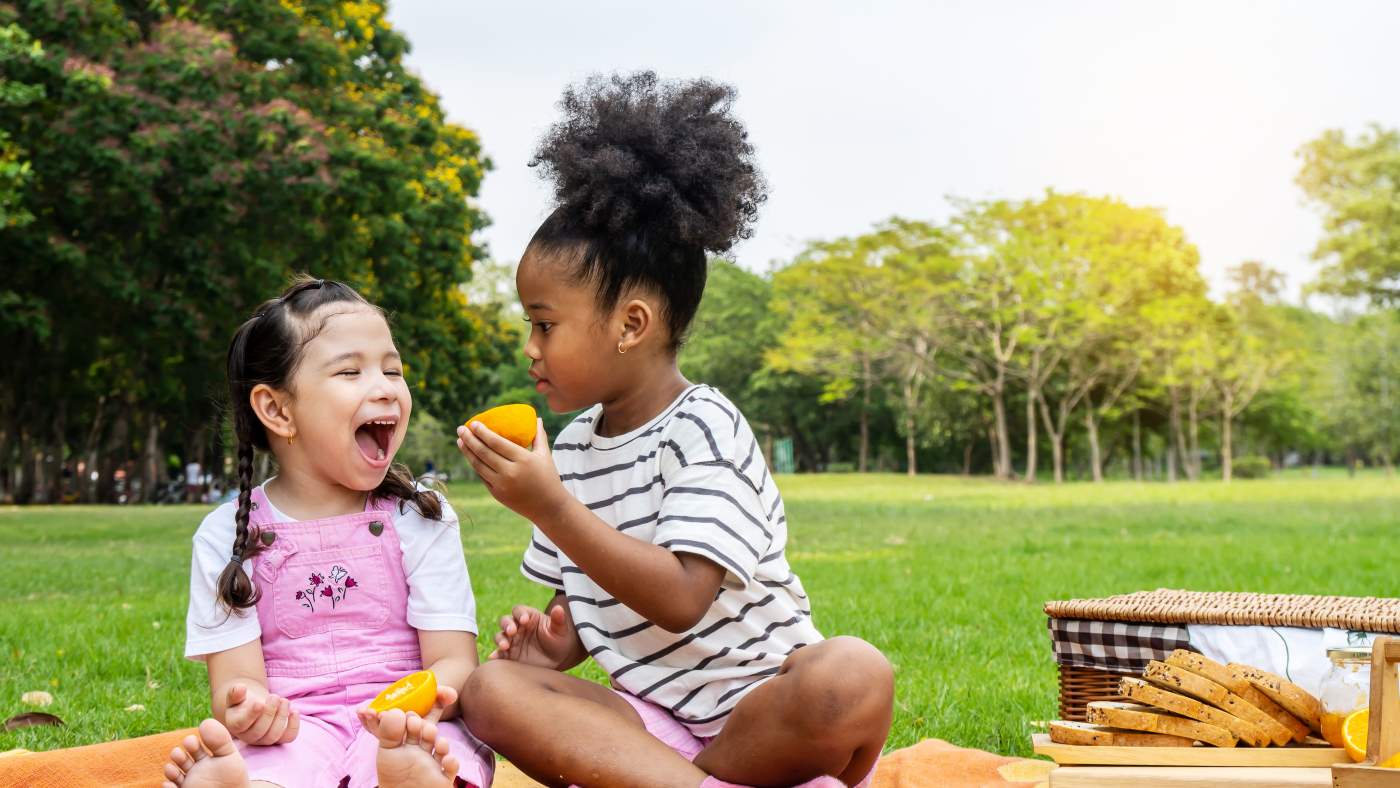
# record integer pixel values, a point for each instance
(1383, 735)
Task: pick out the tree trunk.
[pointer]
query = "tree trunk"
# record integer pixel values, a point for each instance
(53, 468)
(967, 459)
(909, 453)
(865, 417)
(1177, 449)
(1057, 440)
(1137, 445)
(1002, 437)
(151, 468)
(1226, 450)
(996, 449)
(24, 487)
(1031, 397)
(87, 488)
(1193, 435)
(1095, 461)
(7, 445)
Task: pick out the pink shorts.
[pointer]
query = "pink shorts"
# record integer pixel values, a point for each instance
(660, 723)
(333, 749)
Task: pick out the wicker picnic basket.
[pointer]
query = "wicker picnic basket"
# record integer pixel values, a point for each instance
(1080, 685)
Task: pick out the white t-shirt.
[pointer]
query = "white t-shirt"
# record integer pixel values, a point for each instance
(439, 588)
(192, 473)
(691, 480)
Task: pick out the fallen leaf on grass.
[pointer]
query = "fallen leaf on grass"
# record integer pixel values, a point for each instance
(135, 707)
(37, 698)
(31, 718)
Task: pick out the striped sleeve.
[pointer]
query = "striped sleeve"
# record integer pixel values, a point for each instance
(541, 561)
(710, 508)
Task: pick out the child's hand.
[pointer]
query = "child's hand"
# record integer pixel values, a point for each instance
(260, 719)
(446, 696)
(525, 480)
(534, 638)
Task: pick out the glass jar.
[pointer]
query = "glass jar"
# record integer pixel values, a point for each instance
(1345, 688)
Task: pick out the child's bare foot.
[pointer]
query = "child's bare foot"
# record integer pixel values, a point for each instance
(221, 766)
(411, 754)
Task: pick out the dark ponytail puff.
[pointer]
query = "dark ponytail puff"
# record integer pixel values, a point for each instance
(236, 589)
(399, 483)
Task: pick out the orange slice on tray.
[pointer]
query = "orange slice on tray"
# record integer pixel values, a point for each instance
(516, 423)
(1354, 733)
(414, 692)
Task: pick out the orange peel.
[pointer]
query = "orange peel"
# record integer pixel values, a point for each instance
(414, 692)
(516, 423)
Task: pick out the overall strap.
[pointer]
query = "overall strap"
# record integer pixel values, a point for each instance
(260, 512)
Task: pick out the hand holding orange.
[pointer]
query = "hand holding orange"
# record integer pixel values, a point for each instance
(516, 423)
(414, 692)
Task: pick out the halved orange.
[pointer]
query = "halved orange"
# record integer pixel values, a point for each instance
(1393, 762)
(1354, 733)
(516, 423)
(414, 692)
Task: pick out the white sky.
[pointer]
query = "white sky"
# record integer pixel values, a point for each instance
(864, 110)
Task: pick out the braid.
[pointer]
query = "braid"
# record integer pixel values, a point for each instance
(398, 483)
(236, 589)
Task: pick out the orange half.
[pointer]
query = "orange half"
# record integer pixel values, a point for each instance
(516, 423)
(414, 692)
(1354, 733)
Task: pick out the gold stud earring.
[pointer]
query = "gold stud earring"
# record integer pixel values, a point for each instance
(289, 440)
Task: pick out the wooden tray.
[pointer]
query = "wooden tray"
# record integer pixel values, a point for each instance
(1320, 755)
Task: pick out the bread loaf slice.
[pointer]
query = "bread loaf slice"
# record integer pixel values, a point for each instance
(1247, 702)
(1184, 681)
(1152, 695)
(1298, 701)
(1083, 733)
(1142, 718)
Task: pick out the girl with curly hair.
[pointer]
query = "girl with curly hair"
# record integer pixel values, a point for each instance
(657, 524)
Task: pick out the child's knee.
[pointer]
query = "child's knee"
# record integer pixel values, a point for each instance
(842, 682)
(492, 692)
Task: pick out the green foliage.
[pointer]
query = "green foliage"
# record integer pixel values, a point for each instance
(183, 163)
(1356, 182)
(1253, 467)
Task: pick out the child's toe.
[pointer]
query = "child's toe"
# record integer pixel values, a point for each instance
(217, 738)
(392, 726)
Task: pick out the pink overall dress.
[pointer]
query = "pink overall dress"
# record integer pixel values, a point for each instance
(335, 632)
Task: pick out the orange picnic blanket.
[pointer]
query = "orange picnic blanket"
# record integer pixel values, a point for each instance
(137, 763)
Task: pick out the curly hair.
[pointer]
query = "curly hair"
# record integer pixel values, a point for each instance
(649, 176)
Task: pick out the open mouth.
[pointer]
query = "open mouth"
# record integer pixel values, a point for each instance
(374, 436)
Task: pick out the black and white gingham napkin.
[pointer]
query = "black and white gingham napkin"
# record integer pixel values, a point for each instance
(1114, 646)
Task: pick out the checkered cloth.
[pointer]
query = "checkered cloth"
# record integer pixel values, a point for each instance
(1114, 646)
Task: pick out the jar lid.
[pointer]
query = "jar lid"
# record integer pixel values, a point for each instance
(1348, 653)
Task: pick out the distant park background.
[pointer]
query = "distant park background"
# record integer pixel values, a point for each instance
(165, 168)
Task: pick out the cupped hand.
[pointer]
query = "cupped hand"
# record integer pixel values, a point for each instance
(257, 718)
(531, 637)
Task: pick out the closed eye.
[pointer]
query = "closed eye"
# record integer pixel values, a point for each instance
(348, 372)
(394, 372)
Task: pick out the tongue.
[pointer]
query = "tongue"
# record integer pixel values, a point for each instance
(369, 447)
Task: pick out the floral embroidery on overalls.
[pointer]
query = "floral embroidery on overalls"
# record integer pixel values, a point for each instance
(335, 590)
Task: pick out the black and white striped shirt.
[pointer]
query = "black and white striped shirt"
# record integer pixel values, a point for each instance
(692, 480)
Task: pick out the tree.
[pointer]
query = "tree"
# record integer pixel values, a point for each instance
(182, 165)
(1356, 183)
(834, 301)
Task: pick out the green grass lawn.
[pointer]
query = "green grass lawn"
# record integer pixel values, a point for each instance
(946, 575)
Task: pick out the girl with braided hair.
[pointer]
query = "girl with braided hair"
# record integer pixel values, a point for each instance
(657, 526)
(332, 579)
